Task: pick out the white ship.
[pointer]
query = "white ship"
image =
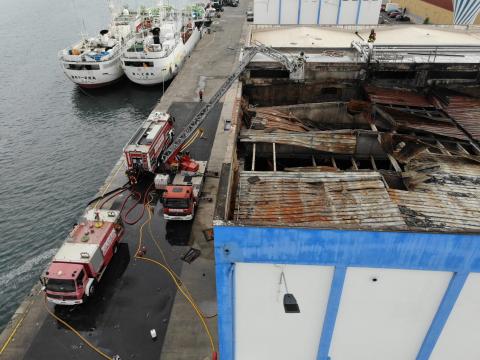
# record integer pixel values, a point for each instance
(197, 13)
(157, 54)
(95, 62)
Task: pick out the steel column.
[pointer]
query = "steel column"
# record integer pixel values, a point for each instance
(443, 312)
(331, 313)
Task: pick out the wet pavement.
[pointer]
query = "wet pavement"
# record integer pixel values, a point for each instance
(134, 296)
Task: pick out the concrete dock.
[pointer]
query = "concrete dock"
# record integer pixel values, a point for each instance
(135, 296)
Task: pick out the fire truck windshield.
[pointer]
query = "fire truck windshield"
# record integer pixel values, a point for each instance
(60, 285)
(177, 203)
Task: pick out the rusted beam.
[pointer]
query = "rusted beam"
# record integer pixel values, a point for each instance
(442, 148)
(475, 147)
(334, 163)
(253, 155)
(394, 163)
(274, 158)
(374, 165)
(462, 149)
(354, 162)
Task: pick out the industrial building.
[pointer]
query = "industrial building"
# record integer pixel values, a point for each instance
(324, 12)
(347, 223)
(459, 12)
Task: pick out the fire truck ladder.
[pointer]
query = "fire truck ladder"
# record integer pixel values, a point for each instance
(295, 65)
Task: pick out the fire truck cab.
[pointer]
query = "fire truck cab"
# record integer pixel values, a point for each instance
(145, 147)
(81, 261)
(181, 196)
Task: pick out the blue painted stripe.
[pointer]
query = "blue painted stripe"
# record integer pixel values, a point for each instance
(458, 7)
(468, 20)
(318, 12)
(474, 14)
(466, 12)
(462, 10)
(331, 313)
(339, 10)
(280, 12)
(225, 295)
(469, 9)
(470, 12)
(358, 11)
(443, 312)
(299, 11)
(398, 250)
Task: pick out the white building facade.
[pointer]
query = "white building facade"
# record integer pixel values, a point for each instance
(324, 12)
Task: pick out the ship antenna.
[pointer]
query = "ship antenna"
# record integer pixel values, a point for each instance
(83, 30)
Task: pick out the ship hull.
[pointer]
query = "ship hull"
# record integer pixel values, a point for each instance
(159, 70)
(80, 73)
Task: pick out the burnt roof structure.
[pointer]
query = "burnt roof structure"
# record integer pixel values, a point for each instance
(393, 159)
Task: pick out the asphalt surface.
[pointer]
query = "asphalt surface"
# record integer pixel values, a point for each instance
(385, 19)
(134, 296)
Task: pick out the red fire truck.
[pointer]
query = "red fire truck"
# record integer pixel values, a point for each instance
(180, 196)
(81, 261)
(145, 147)
(182, 177)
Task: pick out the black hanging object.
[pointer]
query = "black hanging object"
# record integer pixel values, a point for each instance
(156, 35)
(290, 304)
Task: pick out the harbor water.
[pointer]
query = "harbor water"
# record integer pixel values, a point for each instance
(57, 142)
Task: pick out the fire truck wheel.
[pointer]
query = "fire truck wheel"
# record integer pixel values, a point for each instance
(92, 290)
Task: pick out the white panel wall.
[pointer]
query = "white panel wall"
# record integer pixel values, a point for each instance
(328, 12)
(460, 338)
(369, 12)
(266, 11)
(387, 318)
(309, 11)
(348, 12)
(289, 11)
(262, 329)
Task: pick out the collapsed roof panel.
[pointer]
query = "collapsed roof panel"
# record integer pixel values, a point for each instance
(448, 198)
(397, 97)
(442, 126)
(399, 161)
(340, 142)
(329, 200)
(466, 112)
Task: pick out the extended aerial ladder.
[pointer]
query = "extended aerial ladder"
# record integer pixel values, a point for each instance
(294, 64)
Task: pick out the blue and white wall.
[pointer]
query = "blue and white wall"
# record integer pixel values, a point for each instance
(465, 11)
(362, 295)
(316, 12)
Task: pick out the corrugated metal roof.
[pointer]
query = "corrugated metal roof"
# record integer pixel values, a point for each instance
(438, 126)
(466, 112)
(330, 200)
(340, 142)
(437, 210)
(447, 198)
(437, 164)
(397, 97)
(271, 119)
(442, 178)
